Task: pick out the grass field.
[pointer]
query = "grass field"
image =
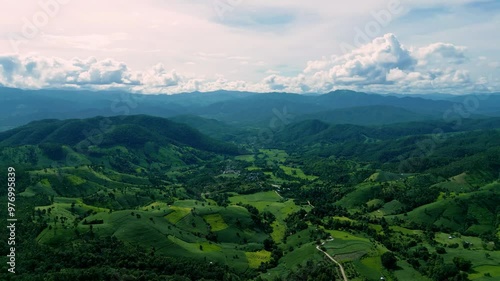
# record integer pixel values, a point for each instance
(274, 155)
(62, 208)
(370, 267)
(365, 257)
(56, 235)
(480, 271)
(269, 196)
(278, 233)
(216, 222)
(292, 259)
(407, 272)
(270, 202)
(253, 168)
(348, 250)
(156, 207)
(391, 208)
(256, 258)
(174, 234)
(247, 158)
(177, 214)
(451, 213)
(198, 247)
(297, 172)
(407, 231)
(342, 235)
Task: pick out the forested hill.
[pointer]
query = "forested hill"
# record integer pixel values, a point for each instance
(129, 131)
(309, 132)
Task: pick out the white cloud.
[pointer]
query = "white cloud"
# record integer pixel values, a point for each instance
(441, 53)
(384, 65)
(370, 63)
(55, 72)
(37, 72)
(254, 36)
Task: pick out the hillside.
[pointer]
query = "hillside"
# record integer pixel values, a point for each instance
(368, 115)
(211, 127)
(129, 131)
(269, 211)
(300, 132)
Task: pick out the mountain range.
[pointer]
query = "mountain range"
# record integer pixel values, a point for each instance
(20, 107)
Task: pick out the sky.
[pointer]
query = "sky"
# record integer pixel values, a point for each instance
(296, 46)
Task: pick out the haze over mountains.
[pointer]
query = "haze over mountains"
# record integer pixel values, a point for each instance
(340, 107)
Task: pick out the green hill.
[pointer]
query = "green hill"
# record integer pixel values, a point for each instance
(130, 131)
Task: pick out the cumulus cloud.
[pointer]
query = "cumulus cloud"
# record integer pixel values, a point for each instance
(441, 53)
(42, 72)
(36, 72)
(368, 64)
(383, 65)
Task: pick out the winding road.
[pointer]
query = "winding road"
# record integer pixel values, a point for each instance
(330, 257)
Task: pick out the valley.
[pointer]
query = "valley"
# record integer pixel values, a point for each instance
(143, 192)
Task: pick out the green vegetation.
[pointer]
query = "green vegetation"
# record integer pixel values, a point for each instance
(160, 201)
(255, 259)
(216, 222)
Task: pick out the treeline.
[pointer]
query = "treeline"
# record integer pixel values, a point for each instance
(110, 259)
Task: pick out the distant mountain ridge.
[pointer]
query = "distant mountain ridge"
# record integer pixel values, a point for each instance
(20, 107)
(368, 115)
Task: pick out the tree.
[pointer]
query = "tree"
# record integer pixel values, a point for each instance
(268, 244)
(462, 264)
(389, 260)
(440, 250)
